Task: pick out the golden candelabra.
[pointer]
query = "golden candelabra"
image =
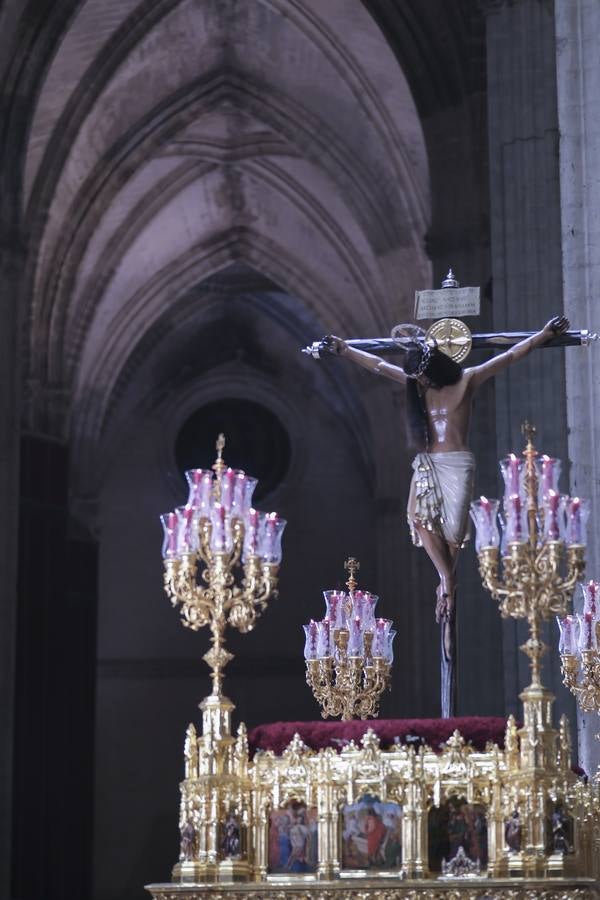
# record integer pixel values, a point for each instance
(219, 532)
(349, 653)
(532, 585)
(543, 558)
(214, 541)
(579, 650)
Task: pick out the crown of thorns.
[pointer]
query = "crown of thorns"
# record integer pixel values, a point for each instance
(416, 337)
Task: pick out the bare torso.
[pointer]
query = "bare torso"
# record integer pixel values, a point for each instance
(449, 414)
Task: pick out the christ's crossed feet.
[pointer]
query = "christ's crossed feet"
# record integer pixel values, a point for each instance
(444, 607)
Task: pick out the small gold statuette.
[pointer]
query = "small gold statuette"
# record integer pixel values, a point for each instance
(349, 653)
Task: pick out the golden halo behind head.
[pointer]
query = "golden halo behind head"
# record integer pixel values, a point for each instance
(452, 337)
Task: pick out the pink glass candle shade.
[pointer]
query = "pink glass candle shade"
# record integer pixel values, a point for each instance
(227, 484)
(512, 468)
(548, 472)
(200, 495)
(516, 520)
(568, 628)
(254, 525)
(335, 602)
(389, 650)
(484, 513)
(169, 524)
(323, 639)
(355, 642)
(187, 535)
(270, 547)
(310, 644)
(221, 540)
(243, 488)
(577, 514)
(587, 632)
(381, 639)
(591, 598)
(363, 606)
(553, 505)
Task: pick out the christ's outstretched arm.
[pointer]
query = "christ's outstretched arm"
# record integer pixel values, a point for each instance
(368, 361)
(479, 374)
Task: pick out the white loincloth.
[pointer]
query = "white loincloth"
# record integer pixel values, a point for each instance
(440, 495)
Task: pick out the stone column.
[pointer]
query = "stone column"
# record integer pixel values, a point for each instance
(10, 268)
(578, 83)
(526, 257)
(54, 684)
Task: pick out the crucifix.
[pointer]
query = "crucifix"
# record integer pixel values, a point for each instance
(439, 399)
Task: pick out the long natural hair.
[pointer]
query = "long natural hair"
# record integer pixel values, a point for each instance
(441, 370)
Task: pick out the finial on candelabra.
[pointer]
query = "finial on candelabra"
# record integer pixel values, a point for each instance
(219, 464)
(450, 281)
(531, 481)
(352, 566)
(528, 430)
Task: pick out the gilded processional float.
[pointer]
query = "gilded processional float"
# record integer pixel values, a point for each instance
(506, 821)
(533, 824)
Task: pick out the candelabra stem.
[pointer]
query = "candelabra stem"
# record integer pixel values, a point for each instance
(218, 649)
(217, 657)
(534, 648)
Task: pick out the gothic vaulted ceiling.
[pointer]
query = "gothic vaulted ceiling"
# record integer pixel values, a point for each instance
(172, 139)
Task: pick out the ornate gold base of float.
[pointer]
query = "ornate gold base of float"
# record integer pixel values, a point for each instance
(537, 824)
(387, 889)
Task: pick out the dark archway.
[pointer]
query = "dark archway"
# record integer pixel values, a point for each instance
(257, 442)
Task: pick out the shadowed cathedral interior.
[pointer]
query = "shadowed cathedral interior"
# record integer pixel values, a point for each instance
(192, 191)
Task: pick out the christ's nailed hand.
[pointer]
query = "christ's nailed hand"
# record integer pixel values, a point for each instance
(556, 325)
(335, 344)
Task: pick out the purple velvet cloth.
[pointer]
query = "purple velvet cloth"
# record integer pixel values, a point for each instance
(477, 730)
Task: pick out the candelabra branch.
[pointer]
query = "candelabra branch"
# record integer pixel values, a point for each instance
(586, 688)
(531, 582)
(219, 601)
(348, 687)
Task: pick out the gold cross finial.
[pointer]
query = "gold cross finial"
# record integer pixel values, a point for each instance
(351, 566)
